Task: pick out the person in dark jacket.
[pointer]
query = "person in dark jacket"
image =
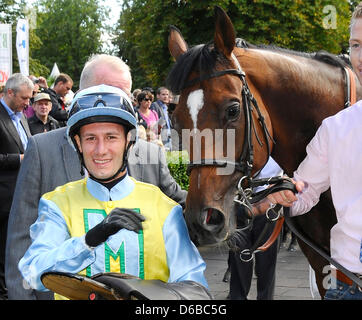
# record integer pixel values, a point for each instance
(62, 85)
(14, 134)
(42, 121)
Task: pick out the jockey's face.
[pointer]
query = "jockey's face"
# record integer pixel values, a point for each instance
(102, 145)
(355, 43)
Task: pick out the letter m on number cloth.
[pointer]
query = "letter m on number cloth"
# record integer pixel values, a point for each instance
(123, 252)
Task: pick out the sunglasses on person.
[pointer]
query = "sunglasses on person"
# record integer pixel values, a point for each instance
(147, 99)
(101, 100)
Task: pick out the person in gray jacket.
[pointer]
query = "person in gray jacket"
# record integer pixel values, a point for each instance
(50, 162)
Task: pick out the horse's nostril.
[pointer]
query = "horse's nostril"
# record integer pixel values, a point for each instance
(213, 219)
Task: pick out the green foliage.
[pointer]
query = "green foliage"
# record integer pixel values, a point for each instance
(70, 31)
(9, 11)
(299, 25)
(50, 81)
(177, 163)
(36, 68)
(142, 30)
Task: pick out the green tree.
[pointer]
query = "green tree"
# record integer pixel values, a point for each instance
(70, 31)
(177, 162)
(9, 11)
(142, 30)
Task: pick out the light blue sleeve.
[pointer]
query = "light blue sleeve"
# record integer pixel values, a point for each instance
(52, 248)
(183, 258)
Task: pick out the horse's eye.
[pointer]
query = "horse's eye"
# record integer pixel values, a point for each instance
(232, 112)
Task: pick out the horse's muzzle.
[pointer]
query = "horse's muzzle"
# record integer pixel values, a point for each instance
(208, 228)
(212, 220)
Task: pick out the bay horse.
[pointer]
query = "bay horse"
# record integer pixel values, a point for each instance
(294, 92)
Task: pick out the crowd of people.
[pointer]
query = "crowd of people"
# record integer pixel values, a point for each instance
(50, 161)
(48, 108)
(154, 116)
(80, 192)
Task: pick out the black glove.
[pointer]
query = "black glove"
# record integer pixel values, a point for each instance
(118, 218)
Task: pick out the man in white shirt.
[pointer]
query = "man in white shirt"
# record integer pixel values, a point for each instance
(334, 160)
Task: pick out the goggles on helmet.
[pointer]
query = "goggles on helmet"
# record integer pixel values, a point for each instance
(101, 100)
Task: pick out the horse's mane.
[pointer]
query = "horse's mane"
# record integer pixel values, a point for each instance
(340, 61)
(203, 58)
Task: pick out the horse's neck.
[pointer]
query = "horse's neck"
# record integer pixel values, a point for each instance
(297, 93)
(286, 74)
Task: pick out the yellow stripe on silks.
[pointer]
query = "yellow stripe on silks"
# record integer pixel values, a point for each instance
(73, 199)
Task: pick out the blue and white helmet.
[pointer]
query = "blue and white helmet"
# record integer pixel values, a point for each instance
(100, 103)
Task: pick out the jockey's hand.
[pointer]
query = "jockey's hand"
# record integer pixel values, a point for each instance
(285, 197)
(117, 219)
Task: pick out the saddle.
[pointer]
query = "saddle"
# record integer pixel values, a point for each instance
(118, 286)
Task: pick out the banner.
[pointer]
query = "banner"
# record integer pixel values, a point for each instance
(22, 45)
(55, 71)
(6, 59)
(54, 74)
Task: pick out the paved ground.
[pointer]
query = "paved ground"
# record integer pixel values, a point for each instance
(292, 275)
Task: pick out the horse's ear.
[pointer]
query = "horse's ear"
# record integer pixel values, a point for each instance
(224, 38)
(176, 43)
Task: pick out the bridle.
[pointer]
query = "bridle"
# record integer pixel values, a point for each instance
(245, 196)
(246, 160)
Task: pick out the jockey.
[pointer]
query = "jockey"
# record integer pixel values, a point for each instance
(108, 221)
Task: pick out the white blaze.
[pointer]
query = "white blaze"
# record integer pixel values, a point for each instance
(195, 102)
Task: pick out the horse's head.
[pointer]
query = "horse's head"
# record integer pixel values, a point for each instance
(216, 128)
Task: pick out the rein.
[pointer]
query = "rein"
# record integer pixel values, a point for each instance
(246, 198)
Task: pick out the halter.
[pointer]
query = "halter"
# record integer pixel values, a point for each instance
(245, 196)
